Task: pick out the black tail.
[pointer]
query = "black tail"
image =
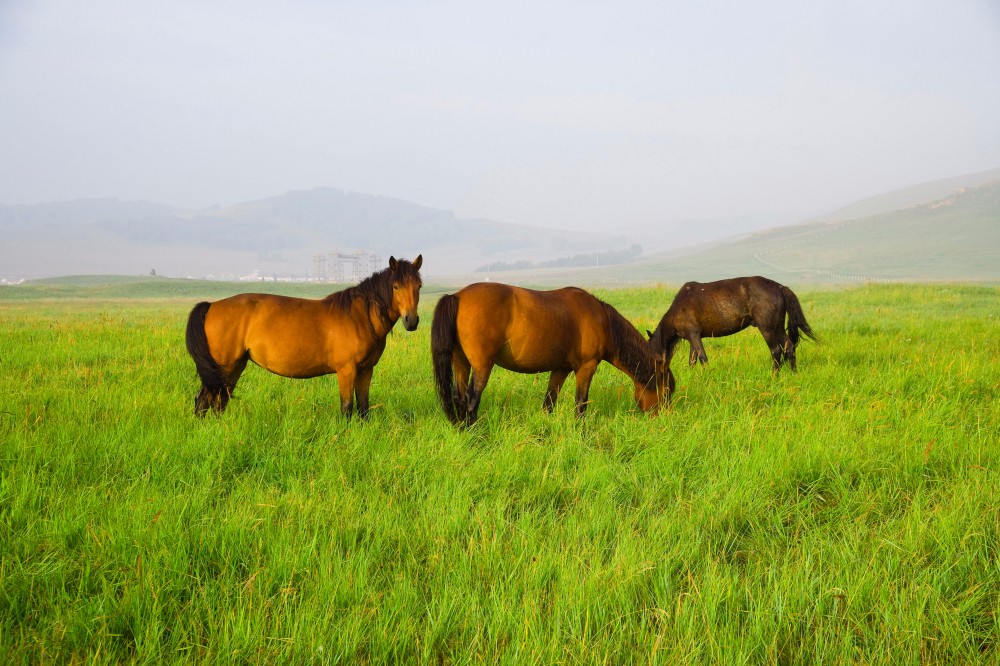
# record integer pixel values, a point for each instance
(796, 319)
(197, 345)
(444, 338)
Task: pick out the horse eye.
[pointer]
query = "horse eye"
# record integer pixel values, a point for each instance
(395, 286)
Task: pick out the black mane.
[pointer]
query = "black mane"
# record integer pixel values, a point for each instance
(376, 288)
(632, 350)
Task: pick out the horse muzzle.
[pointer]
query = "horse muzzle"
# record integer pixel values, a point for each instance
(410, 322)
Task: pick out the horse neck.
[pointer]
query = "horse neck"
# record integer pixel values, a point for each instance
(381, 323)
(630, 352)
(635, 372)
(381, 316)
(666, 334)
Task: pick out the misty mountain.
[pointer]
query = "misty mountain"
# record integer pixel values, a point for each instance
(298, 220)
(948, 229)
(277, 235)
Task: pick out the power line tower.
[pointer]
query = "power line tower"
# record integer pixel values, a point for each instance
(336, 267)
(319, 267)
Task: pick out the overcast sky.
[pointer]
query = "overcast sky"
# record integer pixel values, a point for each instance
(589, 115)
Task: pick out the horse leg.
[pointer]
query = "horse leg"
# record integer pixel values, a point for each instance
(584, 374)
(361, 385)
(556, 380)
(790, 354)
(345, 382)
(778, 343)
(205, 400)
(480, 376)
(697, 350)
(233, 374)
(460, 366)
(217, 397)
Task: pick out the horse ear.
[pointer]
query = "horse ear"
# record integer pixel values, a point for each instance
(418, 261)
(392, 263)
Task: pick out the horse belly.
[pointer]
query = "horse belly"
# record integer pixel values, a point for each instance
(535, 356)
(296, 362)
(722, 330)
(716, 320)
(297, 352)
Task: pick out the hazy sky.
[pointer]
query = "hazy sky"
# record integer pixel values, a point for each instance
(590, 115)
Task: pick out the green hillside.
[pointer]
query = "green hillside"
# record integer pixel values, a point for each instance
(910, 196)
(953, 238)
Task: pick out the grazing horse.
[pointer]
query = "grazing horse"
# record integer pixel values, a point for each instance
(715, 309)
(302, 338)
(561, 331)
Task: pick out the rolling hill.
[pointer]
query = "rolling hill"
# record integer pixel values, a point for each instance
(910, 196)
(277, 235)
(955, 237)
(944, 230)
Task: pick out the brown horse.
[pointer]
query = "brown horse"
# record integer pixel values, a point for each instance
(716, 309)
(561, 331)
(302, 338)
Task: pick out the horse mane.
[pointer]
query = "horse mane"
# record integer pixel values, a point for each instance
(631, 348)
(375, 289)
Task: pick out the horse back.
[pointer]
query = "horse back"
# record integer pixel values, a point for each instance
(525, 330)
(726, 306)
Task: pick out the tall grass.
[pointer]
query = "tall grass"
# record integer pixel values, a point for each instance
(846, 513)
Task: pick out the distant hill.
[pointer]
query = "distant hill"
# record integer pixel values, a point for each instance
(910, 196)
(279, 235)
(944, 230)
(955, 237)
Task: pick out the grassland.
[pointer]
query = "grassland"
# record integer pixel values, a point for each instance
(844, 514)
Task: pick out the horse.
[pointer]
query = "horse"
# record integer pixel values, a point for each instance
(721, 308)
(301, 338)
(528, 331)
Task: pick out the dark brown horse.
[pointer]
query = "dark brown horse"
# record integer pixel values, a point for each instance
(561, 331)
(715, 309)
(301, 338)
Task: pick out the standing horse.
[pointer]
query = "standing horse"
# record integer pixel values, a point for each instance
(523, 330)
(716, 309)
(302, 338)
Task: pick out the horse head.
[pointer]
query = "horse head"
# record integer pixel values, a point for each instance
(406, 285)
(647, 398)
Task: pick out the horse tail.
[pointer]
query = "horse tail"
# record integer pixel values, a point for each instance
(796, 319)
(444, 339)
(197, 345)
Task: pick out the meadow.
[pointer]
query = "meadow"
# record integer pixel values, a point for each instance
(847, 513)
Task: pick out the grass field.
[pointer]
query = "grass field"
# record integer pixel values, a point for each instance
(845, 514)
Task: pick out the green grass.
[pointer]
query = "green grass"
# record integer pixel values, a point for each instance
(844, 514)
